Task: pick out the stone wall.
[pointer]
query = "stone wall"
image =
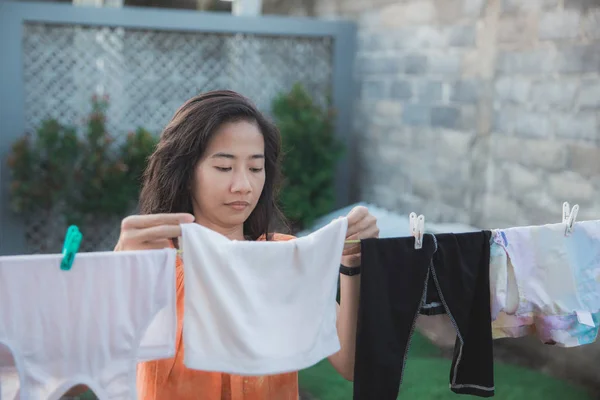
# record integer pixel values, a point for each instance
(420, 91)
(474, 111)
(546, 100)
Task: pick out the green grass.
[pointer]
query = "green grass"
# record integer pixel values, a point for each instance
(426, 378)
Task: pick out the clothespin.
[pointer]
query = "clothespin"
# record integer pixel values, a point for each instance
(70, 247)
(566, 212)
(568, 217)
(412, 219)
(417, 228)
(70, 231)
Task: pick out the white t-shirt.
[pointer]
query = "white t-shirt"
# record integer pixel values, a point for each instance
(89, 325)
(260, 307)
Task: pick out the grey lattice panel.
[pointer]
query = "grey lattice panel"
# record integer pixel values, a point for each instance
(45, 232)
(148, 73)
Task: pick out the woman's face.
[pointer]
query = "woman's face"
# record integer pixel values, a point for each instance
(230, 177)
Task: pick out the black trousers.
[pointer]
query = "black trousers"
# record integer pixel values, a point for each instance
(395, 282)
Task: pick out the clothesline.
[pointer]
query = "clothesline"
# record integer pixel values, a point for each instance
(417, 223)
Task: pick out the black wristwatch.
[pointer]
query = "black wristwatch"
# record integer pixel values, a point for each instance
(349, 271)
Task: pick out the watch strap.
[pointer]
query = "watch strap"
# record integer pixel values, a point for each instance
(349, 271)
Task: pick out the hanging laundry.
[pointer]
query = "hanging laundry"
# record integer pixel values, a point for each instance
(260, 308)
(158, 343)
(159, 339)
(395, 279)
(546, 283)
(85, 325)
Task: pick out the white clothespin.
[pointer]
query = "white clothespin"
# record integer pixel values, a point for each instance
(566, 212)
(420, 231)
(569, 216)
(417, 228)
(412, 219)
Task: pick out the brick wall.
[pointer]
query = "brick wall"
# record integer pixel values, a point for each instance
(475, 111)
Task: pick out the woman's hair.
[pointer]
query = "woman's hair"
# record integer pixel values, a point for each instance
(167, 180)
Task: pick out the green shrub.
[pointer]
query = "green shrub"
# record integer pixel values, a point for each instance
(311, 152)
(84, 176)
(42, 167)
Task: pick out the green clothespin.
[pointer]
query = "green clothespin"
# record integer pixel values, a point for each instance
(70, 247)
(72, 229)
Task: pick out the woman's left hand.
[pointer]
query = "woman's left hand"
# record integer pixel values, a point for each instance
(361, 225)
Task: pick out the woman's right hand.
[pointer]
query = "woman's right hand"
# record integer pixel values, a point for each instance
(150, 231)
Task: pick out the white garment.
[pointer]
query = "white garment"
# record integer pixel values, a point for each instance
(554, 274)
(85, 325)
(546, 284)
(260, 307)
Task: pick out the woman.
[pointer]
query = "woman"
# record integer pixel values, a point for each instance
(217, 163)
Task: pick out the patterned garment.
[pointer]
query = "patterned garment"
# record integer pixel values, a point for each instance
(546, 284)
(170, 379)
(562, 331)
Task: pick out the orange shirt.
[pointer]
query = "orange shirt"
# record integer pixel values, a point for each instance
(169, 379)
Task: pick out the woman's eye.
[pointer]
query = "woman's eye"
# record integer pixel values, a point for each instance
(256, 169)
(223, 169)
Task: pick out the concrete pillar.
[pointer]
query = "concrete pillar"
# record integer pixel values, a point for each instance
(89, 3)
(99, 3)
(250, 8)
